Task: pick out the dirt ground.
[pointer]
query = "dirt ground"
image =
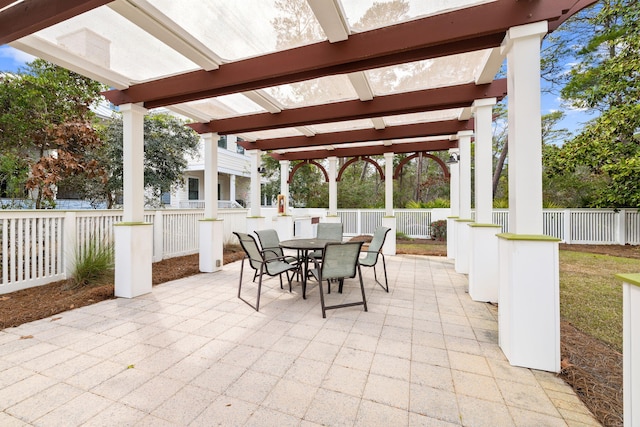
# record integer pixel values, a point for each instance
(593, 369)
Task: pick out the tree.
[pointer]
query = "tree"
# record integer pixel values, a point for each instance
(167, 145)
(606, 79)
(45, 119)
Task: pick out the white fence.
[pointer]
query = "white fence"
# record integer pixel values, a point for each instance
(38, 247)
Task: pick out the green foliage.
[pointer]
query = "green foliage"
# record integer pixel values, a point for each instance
(44, 120)
(606, 78)
(438, 230)
(401, 236)
(167, 145)
(431, 204)
(13, 174)
(94, 266)
(502, 203)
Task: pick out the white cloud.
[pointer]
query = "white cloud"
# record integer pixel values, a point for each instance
(15, 55)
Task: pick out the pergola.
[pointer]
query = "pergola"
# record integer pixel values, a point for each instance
(321, 79)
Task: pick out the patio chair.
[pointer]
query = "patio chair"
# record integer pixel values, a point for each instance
(329, 231)
(263, 264)
(374, 252)
(270, 242)
(339, 262)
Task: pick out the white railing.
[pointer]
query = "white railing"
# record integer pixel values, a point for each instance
(39, 247)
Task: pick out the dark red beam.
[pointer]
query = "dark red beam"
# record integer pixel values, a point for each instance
(403, 103)
(416, 130)
(374, 150)
(31, 16)
(463, 30)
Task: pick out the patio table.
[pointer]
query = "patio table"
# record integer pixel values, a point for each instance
(303, 246)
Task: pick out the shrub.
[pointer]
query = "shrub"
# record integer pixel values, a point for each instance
(94, 266)
(401, 236)
(438, 230)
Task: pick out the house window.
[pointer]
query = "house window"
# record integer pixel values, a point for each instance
(239, 148)
(166, 198)
(222, 142)
(193, 188)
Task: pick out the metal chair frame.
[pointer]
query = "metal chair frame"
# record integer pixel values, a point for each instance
(272, 265)
(339, 266)
(374, 251)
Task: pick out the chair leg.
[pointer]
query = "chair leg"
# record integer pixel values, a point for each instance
(324, 315)
(375, 275)
(364, 298)
(257, 306)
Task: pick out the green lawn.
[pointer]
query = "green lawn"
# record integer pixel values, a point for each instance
(590, 295)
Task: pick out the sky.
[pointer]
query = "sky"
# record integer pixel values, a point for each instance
(12, 59)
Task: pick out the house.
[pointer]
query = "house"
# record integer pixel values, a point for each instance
(233, 178)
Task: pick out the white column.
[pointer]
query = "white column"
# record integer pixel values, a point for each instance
(462, 224)
(389, 220)
(631, 347)
(133, 237)
(133, 162)
(483, 255)
(255, 183)
(284, 184)
(525, 133)
(210, 141)
(454, 183)
(529, 288)
(388, 184)
(454, 200)
(483, 159)
(333, 186)
(232, 187)
(464, 145)
(211, 227)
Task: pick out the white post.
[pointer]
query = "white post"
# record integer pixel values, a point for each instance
(631, 347)
(483, 159)
(254, 155)
(210, 141)
(462, 224)
(389, 220)
(211, 232)
(158, 236)
(621, 222)
(483, 255)
(529, 290)
(255, 221)
(232, 187)
(284, 184)
(70, 243)
(454, 198)
(133, 162)
(333, 186)
(133, 237)
(525, 130)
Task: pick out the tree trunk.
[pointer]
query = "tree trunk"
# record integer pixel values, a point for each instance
(499, 166)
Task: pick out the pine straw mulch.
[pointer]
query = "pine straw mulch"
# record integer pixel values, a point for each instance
(592, 368)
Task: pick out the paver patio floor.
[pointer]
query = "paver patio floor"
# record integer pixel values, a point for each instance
(191, 353)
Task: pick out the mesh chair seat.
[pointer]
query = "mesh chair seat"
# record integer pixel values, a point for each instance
(270, 242)
(263, 264)
(339, 262)
(328, 231)
(374, 252)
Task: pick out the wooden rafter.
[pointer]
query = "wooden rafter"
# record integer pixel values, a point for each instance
(443, 98)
